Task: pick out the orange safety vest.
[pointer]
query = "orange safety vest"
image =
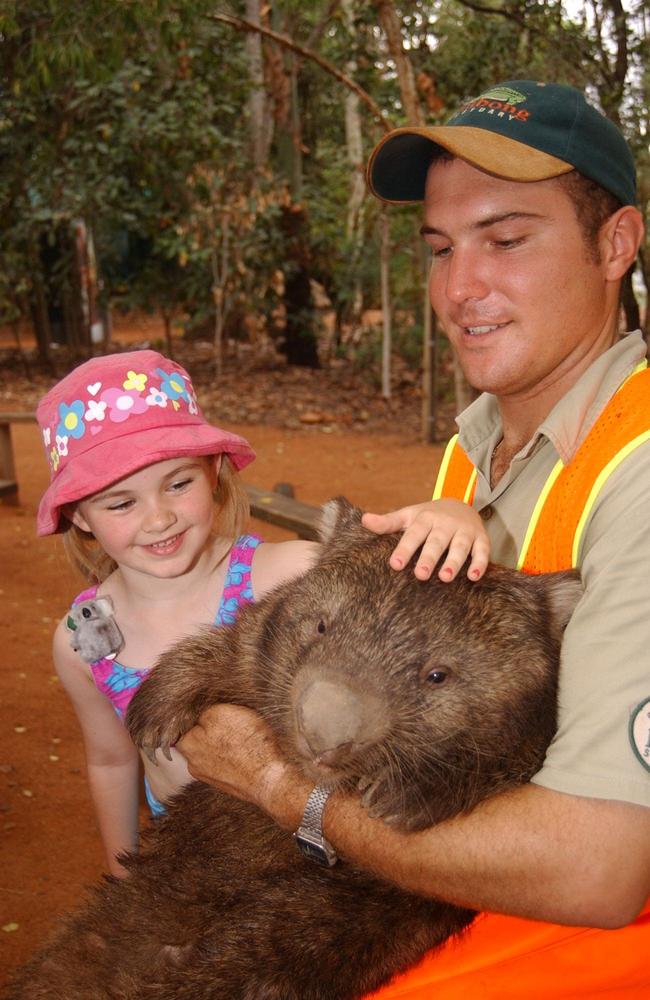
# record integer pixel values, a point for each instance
(509, 958)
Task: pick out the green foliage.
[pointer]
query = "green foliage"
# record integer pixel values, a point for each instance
(133, 116)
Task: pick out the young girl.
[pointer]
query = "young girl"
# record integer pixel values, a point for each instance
(147, 497)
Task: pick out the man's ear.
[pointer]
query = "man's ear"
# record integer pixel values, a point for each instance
(620, 238)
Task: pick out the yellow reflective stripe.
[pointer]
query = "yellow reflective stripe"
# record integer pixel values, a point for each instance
(598, 485)
(642, 365)
(444, 465)
(470, 486)
(537, 510)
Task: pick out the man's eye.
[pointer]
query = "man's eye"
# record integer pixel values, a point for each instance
(508, 244)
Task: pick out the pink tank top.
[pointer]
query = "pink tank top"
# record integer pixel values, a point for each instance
(119, 683)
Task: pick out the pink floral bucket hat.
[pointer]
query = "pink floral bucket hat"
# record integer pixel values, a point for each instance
(116, 414)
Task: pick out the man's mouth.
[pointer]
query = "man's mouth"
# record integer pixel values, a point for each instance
(475, 331)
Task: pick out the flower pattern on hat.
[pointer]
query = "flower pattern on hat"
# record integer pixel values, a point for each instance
(134, 394)
(123, 403)
(71, 420)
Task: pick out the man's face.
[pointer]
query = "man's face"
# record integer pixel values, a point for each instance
(511, 281)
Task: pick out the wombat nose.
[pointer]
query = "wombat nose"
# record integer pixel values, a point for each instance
(334, 720)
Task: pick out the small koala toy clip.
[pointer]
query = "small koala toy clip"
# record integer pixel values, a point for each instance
(95, 634)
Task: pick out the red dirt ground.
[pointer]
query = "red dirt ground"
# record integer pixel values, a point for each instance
(50, 849)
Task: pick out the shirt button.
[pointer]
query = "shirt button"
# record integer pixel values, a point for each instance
(487, 512)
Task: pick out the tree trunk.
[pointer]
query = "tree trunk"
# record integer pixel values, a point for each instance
(385, 303)
(167, 323)
(299, 338)
(38, 308)
(392, 28)
(429, 375)
(357, 192)
(260, 121)
(630, 304)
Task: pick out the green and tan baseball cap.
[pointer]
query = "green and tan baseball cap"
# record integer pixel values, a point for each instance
(520, 130)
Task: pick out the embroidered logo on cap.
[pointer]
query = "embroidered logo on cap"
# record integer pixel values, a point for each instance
(505, 94)
(640, 732)
(500, 101)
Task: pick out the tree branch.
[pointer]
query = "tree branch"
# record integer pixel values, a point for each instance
(240, 24)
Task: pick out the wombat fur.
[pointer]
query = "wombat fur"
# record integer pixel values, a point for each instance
(427, 697)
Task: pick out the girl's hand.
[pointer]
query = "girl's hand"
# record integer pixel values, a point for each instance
(437, 526)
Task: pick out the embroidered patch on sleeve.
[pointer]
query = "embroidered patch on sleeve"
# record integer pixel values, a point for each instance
(640, 732)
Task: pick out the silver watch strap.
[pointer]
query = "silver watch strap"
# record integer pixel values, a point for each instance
(312, 818)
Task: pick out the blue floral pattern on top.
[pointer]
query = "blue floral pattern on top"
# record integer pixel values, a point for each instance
(119, 683)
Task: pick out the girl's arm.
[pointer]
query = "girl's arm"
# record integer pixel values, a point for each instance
(277, 562)
(437, 526)
(112, 759)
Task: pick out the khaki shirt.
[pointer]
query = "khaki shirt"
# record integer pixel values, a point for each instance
(605, 664)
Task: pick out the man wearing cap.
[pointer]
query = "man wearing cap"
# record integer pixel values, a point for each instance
(529, 210)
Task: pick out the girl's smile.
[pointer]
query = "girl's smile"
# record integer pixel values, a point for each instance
(167, 547)
(159, 519)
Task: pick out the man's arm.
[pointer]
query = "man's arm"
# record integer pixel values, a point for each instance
(530, 852)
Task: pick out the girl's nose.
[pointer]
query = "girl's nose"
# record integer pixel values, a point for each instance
(159, 517)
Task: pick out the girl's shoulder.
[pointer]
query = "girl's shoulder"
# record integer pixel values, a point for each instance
(278, 562)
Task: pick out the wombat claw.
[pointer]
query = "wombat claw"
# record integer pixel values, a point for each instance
(371, 796)
(150, 752)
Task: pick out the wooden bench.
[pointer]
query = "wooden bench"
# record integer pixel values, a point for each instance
(266, 505)
(8, 480)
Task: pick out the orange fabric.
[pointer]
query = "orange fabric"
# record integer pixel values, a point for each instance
(459, 472)
(624, 418)
(508, 958)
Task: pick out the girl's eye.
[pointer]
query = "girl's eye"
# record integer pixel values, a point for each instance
(123, 505)
(177, 487)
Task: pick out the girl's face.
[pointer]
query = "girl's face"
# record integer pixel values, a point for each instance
(157, 521)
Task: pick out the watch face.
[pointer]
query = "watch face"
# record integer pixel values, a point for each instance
(316, 850)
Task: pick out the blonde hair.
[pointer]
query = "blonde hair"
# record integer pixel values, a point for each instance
(231, 512)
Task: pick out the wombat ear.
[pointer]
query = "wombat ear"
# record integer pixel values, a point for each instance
(339, 520)
(563, 591)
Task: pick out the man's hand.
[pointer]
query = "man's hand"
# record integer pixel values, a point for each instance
(436, 525)
(233, 749)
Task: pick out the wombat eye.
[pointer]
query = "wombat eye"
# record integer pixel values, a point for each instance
(86, 612)
(320, 627)
(437, 676)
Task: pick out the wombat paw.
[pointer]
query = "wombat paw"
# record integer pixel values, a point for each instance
(150, 751)
(378, 798)
(150, 737)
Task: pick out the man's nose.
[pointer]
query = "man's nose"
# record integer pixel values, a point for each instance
(465, 278)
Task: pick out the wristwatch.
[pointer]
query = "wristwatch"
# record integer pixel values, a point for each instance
(309, 835)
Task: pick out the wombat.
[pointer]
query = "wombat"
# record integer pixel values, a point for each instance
(427, 697)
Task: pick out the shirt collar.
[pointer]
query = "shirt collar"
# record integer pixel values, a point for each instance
(570, 420)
